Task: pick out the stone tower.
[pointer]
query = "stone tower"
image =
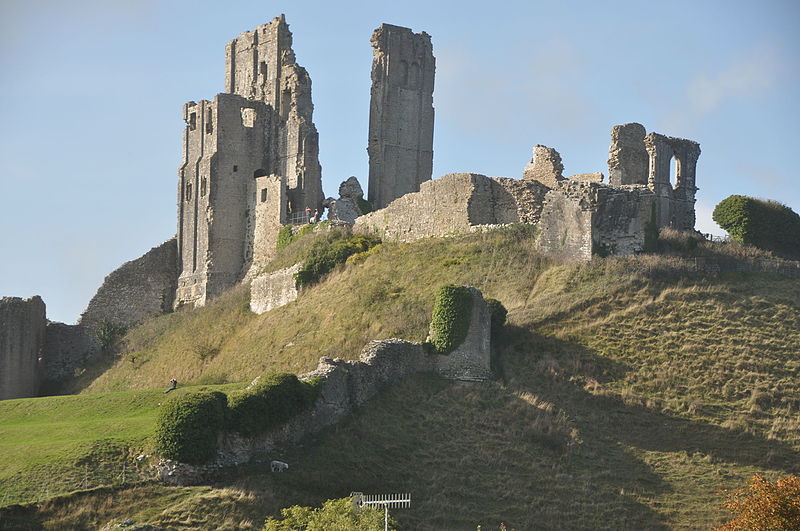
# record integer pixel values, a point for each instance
(401, 113)
(260, 127)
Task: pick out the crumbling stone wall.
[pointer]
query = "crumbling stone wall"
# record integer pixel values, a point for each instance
(67, 349)
(270, 211)
(594, 177)
(628, 160)
(347, 208)
(674, 205)
(455, 203)
(260, 65)
(472, 359)
(545, 166)
(401, 113)
(22, 332)
(272, 290)
(137, 290)
(580, 219)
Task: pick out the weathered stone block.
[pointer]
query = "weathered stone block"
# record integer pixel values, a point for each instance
(472, 359)
(272, 290)
(545, 166)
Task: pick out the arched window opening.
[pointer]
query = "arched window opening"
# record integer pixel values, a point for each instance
(674, 170)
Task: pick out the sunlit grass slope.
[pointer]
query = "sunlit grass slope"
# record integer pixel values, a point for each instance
(389, 294)
(53, 445)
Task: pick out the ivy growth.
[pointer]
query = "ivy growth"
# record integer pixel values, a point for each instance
(188, 425)
(452, 312)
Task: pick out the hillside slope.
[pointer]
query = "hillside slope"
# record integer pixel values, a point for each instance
(631, 391)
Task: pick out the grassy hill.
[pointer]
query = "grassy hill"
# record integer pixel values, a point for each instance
(632, 390)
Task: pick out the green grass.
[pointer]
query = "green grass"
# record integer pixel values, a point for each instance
(53, 445)
(632, 391)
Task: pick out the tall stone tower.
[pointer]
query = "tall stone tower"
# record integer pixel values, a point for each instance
(401, 113)
(260, 127)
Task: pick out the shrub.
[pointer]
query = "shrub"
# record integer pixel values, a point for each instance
(764, 505)
(364, 206)
(765, 224)
(334, 514)
(108, 334)
(274, 399)
(452, 312)
(324, 257)
(285, 237)
(188, 426)
(499, 314)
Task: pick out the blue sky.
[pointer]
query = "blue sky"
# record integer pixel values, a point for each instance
(91, 95)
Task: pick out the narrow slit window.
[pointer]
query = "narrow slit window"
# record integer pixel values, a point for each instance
(263, 195)
(235, 168)
(188, 191)
(203, 186)
(193, 121)
(209, 124)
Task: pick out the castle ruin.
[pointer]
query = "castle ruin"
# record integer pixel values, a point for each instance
(400, 113)
(254, 144)
(250, 166)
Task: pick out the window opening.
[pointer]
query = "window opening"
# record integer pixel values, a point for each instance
(193, 121)
(263, 195)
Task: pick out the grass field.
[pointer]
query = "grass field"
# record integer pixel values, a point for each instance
(630, 392)
(53, 445)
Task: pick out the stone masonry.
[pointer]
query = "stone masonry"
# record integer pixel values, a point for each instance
(627, 157)
(580, 219)
(401, 113)
(262, 126)
(545, 166)
(347, 208)
(22, 333)
(472, 359)
(455, 203)
(272, 290)
(137, 290)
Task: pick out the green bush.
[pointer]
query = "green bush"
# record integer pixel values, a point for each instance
(325, 256)
(499, 314)
(765, 224)
(188, 426)
(334, 515)
(273, 400)
(108, 334)
(452, 312)
(364, 206)
(285, 237)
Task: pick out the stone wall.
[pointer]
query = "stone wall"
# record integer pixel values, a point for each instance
(472, 360)
(627, 157)
(22, 333)
(67, 349)
(348, 384)
(594, 177)
(137, 290)
(455, 203)
(580, 219)
(272, 290)
(401, 113)
(545, 166)
(269, 215)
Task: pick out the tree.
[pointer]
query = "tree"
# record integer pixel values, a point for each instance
(764, 505)
(765, 224)
(335, 515)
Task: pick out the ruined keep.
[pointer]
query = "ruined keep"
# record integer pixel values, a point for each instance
(401, 114)
(261, 127)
